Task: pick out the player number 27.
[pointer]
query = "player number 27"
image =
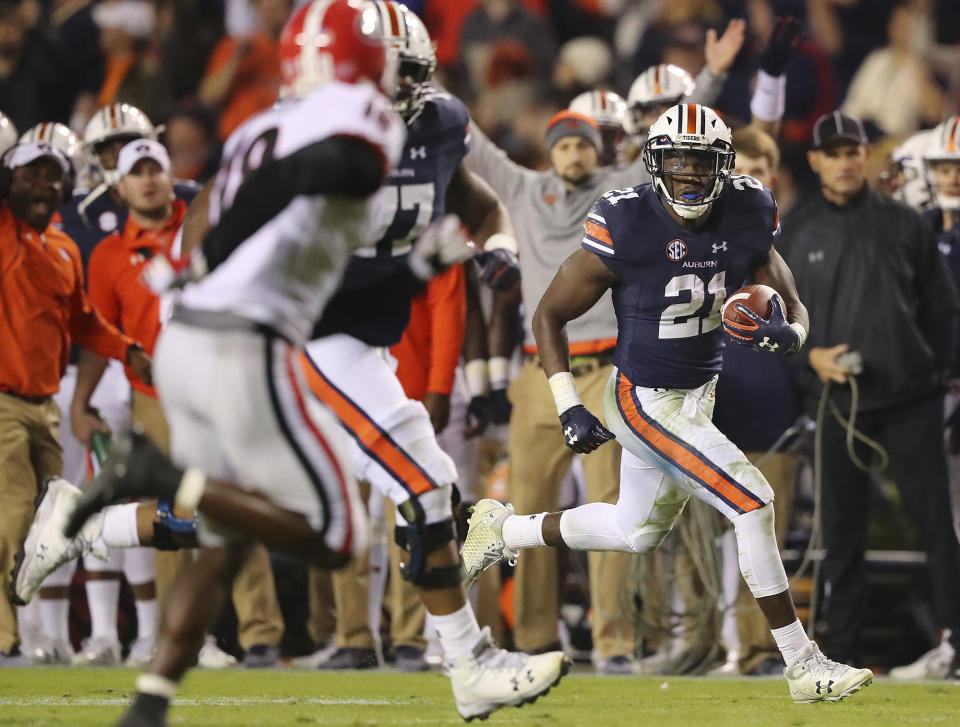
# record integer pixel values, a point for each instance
(684, 320)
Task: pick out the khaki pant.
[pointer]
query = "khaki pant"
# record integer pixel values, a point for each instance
(756, 641)
(539, 459)
(254, 593)
(30, 452)
(322, 622)
(351, 589)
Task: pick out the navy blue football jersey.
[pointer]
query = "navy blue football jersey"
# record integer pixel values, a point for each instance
(672, 281)
(373, 303)
(91, 216)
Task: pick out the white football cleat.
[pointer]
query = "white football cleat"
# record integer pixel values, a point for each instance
(815, 678)
(484, 546)
(212, 656)
(46, 547)
(489, 678)
(51, 652)
(141, 653)
(100, 651)
(935, 664)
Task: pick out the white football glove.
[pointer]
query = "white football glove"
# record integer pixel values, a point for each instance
(163, 272)
(444, 243)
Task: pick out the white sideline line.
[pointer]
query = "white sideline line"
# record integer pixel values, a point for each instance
(216, 702)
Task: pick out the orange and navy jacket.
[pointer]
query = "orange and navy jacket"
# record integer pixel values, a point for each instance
(116, 287)
(428, 353)
(43, 306)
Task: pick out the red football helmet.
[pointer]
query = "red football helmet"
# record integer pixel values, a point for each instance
(331, 40)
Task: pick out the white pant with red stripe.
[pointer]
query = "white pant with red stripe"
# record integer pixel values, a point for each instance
(240, 411)
(672, 450)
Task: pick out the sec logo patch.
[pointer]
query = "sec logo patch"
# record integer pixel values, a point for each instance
(676, 250)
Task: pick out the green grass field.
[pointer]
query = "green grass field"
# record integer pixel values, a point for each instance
(278, 697)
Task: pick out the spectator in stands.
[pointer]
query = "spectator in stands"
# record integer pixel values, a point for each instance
(895, 72)
(133, 73)
(45, 306)
(193, 144)
(869, 269)
(243, 75)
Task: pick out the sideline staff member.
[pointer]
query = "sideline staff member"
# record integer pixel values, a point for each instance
(877, 285)
(43, 307)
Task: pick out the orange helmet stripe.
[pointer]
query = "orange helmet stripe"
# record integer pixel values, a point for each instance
(394, 20)
(691, 118)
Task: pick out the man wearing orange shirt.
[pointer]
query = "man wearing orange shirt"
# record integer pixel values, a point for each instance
(117, 291)
(243, 75)
(44, 307)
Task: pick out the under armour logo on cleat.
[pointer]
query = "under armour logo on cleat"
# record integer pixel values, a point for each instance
(529, 676)
(827, 687)
(516, 684)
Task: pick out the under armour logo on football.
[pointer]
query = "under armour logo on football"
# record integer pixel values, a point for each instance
(719, 247)
(571, 437)
(765, 343)
(827, 686)
(418, 152)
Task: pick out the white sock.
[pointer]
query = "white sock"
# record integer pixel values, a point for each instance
(55, 618)
(146, 618)
(524, 531)
(792, 641)
(458, 632)
(156, 685)
(103, 598)
(119, 528)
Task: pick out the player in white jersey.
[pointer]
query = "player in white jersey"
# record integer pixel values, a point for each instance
(256, 456)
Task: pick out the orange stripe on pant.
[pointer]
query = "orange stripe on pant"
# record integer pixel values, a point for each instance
(370, 436)
(677, 453)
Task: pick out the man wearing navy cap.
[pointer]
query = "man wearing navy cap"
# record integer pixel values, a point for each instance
(876, 285)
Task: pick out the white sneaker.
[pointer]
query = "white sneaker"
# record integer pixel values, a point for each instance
(141, 653)
(46, 650)
(484, 546)
(816, 678)
(935, 664)
(212, 656)
(46, 548)
(101, 651)
(489, 678)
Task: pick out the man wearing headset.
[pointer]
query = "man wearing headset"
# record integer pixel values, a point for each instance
(41, 284)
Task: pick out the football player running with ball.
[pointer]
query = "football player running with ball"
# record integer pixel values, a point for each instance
(705, 232)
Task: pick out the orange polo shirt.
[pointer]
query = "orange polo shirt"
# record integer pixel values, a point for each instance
(116, 288)
(43, 306)
(428, 353)
(256, 84)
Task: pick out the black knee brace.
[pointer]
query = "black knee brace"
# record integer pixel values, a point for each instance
(420, 539)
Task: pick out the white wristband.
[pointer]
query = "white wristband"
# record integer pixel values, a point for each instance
(564, 391)
(769, 99)
(191, 489)
(501, 240)
(499, 372)
(476, 374)
(798, 327)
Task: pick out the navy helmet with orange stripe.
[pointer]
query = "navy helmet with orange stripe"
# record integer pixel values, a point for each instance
(689, 155)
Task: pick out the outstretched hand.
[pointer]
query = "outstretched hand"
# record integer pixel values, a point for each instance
(721, 52)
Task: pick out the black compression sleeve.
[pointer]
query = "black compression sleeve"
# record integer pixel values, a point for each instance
(339, 165)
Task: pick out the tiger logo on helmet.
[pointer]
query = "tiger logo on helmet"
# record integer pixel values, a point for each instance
(689, 155)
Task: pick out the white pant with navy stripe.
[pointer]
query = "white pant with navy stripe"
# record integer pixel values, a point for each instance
(240, 411)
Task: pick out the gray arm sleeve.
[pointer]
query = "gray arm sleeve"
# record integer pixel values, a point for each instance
(708, 88)
(491, 164)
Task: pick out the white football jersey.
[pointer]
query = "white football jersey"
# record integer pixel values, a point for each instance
(290, 263)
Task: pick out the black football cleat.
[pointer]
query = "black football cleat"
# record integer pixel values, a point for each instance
(135, 469)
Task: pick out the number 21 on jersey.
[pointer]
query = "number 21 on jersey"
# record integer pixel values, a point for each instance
(685, 320)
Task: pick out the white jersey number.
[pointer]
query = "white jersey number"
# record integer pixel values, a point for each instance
(681, 320)
(401, 212)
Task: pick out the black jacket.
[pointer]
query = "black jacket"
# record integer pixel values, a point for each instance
(871, 276)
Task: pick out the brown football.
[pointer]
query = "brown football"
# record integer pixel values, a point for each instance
(756, 298)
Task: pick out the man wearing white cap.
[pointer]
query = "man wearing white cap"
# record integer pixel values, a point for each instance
(44, 307)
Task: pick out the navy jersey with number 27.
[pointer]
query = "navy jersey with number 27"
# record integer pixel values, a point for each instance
(672, 282)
